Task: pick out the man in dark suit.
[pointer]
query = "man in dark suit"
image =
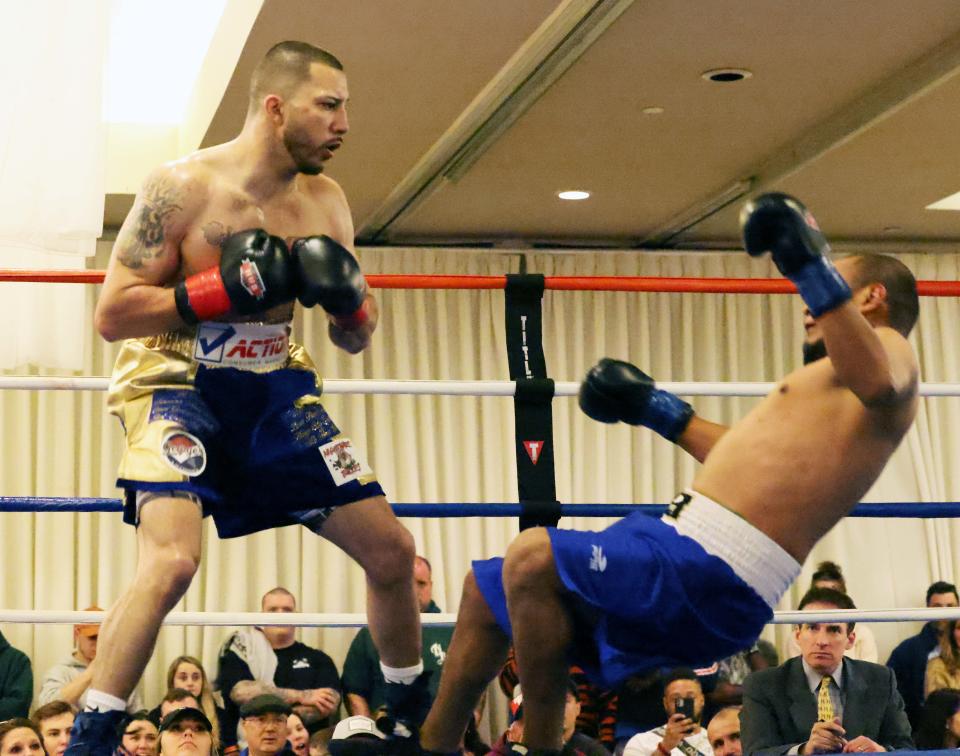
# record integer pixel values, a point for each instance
(821, 702)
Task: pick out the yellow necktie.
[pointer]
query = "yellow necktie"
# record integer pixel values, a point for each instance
(824, 704)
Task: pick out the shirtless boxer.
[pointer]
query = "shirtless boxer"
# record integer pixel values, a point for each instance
(222, 414)
(701, 583)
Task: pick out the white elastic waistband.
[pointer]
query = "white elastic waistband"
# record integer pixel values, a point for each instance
(248, 346)
(756, 559)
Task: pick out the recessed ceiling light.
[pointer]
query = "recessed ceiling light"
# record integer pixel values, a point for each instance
(573, 194)
(726, 75)
(652, 110)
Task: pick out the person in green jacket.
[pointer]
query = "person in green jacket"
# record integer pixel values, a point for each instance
(16, 682)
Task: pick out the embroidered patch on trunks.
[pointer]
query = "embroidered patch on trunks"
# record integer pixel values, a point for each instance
(342, 461)
(184, 453)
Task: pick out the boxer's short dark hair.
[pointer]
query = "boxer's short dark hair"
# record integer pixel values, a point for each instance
(285, 66)
(902, 301)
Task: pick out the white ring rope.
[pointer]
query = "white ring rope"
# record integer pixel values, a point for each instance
(261, 619)
(450, 388)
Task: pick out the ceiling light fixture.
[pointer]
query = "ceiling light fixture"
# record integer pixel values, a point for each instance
(726, 75)
(573, 194)
(652, 110)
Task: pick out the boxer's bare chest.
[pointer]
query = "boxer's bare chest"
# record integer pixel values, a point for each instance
(229, 210)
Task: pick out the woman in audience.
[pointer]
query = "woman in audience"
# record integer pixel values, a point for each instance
(297, 735)
(944, 671)
(939, 726)
(20, 737)
(187, 672)
(139, 735)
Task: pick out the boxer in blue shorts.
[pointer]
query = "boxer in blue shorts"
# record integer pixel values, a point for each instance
(221, 412)
(700, 583)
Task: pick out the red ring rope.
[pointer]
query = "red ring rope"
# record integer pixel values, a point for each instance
(556, 283)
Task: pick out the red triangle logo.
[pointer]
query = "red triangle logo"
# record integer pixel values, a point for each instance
(533, 450)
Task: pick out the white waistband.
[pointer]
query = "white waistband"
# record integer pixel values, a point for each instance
(756, 559)
(248, 346)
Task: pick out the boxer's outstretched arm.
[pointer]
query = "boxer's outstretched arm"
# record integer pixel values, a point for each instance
(137, 298)
(617, 391)
(876, 364)
(699, 437)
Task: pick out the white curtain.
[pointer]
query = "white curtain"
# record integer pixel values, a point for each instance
(51, 171)
(461, 449)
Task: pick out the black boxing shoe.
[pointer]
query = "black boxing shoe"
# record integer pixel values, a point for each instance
(404, 709)
(95, 733)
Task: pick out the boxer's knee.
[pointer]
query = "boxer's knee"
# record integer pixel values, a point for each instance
(392, 561)
(167, 573)
(528, 564)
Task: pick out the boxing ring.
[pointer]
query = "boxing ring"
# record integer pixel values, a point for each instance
(506, 388)
(486, 388)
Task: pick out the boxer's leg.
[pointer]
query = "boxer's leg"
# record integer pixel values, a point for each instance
(370, 533)
(543, 626)
(168, 538)
(477, 652)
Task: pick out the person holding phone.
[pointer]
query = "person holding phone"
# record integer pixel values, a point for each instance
(682, 734)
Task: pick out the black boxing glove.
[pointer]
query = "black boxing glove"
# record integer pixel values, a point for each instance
(615, 391)
(255, 273)
(780, 224)
(330, 276)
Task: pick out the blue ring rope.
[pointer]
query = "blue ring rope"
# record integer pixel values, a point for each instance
(933, 509)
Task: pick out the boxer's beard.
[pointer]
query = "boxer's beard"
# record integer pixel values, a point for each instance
(299, 150)
(813, 351)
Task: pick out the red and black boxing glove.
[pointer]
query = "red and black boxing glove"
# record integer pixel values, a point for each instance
(330, 276)
(255, 273)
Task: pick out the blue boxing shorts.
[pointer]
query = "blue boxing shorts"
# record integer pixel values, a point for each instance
(230, 413)
(686, 590)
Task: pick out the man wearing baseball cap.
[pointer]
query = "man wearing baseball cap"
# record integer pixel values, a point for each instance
(264, 720)
(363, 734)
(69, 680)
(186, 731)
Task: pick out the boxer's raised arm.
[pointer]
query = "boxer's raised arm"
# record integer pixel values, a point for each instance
(137, 298)
(876, 364)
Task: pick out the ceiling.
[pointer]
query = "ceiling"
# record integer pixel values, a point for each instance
(468, 117)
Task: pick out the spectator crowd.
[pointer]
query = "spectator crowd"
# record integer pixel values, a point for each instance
(272, 694)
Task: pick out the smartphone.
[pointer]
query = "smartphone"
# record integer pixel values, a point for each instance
(684, 706)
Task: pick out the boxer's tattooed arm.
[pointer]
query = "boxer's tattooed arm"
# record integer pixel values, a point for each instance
(215, 233)
(161, 198)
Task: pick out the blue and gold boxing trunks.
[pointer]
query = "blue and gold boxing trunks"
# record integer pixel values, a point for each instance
(683, 591)
(230, 413)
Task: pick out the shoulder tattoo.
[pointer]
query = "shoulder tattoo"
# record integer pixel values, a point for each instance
(159, 200)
